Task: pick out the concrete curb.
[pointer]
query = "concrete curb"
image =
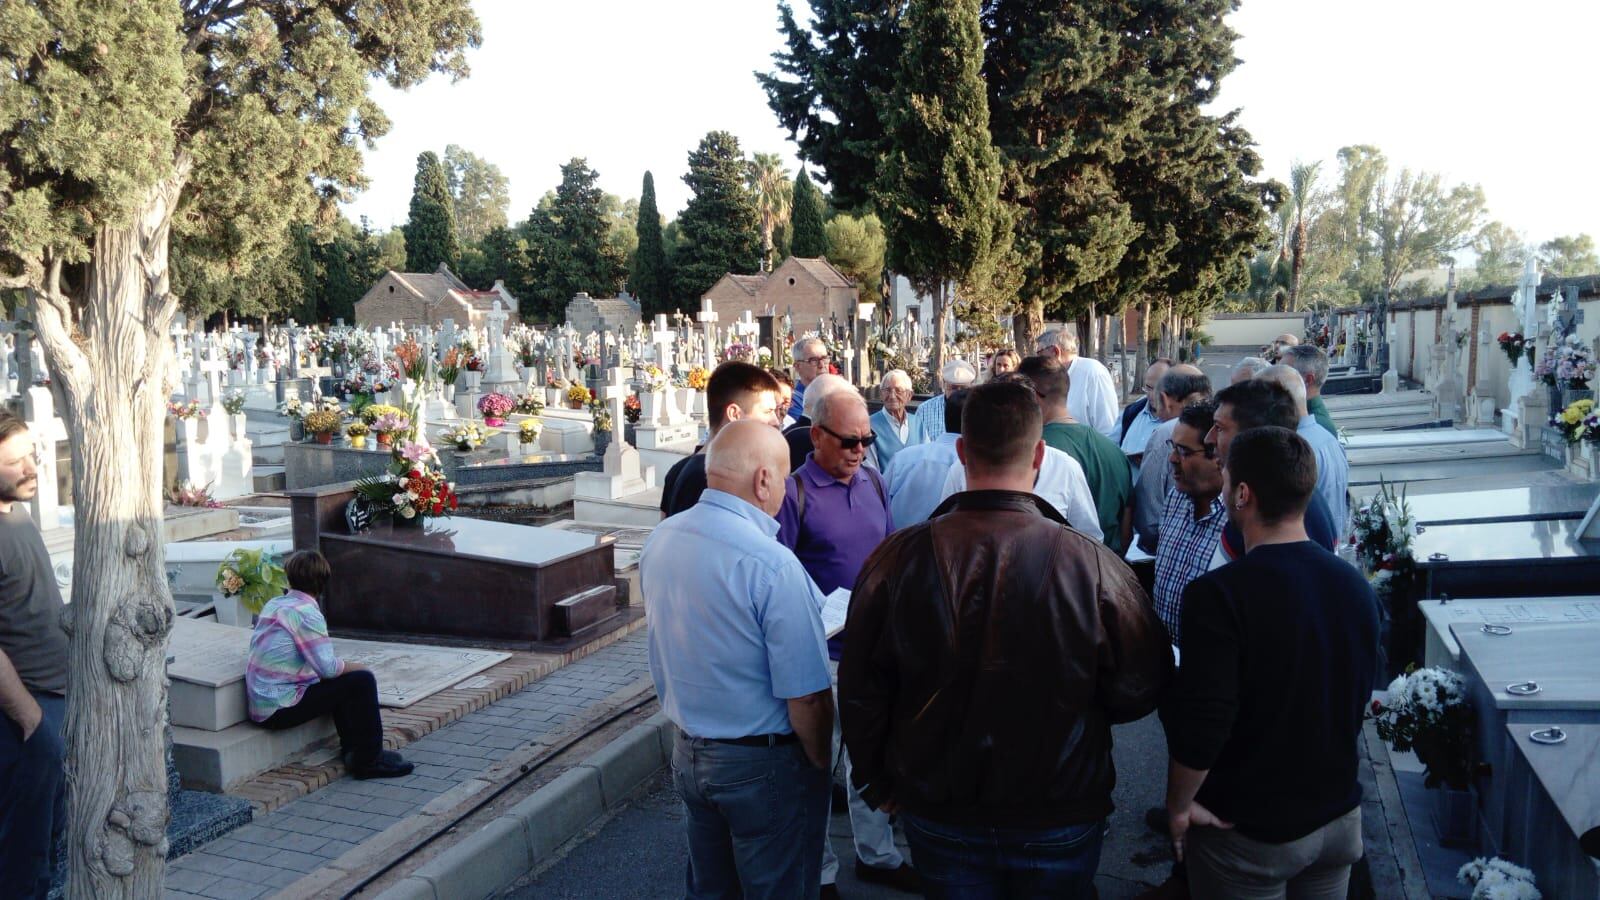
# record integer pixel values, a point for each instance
(488, 861)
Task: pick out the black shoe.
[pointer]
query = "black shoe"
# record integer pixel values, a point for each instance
(1156, 820)
(904, 878)
(829, 892)
(841, 800)
(389, 764)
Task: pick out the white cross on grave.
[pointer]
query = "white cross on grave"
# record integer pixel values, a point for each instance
(707, 317)
(662, 337)
(212, 368)
(616, 392)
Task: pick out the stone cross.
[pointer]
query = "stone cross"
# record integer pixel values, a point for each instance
(447, 333)
(615, 392)
(496, 324)
(662, 337)
(213, 368)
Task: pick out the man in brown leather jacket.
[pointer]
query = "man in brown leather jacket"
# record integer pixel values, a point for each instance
(991, 649)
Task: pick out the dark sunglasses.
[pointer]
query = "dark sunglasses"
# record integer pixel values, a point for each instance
(850, 443)
(1186, 452)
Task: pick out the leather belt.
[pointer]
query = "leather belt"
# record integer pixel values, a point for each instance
(759, 740)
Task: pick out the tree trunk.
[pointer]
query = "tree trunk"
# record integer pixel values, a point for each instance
(936, 358)
(110, 358)
(1104, 339)
(1141, 352)
(1089, 334)
(1027, 325)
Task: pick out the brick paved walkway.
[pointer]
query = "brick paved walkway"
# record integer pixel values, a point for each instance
(277, 849)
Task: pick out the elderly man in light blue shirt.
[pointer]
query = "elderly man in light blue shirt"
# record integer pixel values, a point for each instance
(1333, 467)
(740, 663)
(916, 477)
(957, 373)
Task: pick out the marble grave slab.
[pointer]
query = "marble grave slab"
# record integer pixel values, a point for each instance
(1544, 558)
(1441, 648)
(1429, 437)
(207, 671)
(1503, 504)
(1555, 813)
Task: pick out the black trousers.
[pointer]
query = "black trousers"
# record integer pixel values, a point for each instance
(352, 699)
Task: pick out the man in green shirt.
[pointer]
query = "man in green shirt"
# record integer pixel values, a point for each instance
(1312, 364)
(1104, 464)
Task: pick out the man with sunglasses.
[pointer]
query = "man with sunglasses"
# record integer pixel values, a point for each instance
(835, 513)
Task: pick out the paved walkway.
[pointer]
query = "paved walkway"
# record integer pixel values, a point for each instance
(276, 850)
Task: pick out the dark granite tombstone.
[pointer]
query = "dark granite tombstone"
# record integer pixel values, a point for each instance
(461, 578)
(1543, 558)
(1529, 503)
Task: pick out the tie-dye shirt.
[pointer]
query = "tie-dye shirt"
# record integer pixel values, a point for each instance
(289, 650)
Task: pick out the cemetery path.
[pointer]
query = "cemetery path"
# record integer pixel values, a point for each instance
(278, 849)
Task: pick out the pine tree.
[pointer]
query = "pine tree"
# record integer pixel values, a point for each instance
(940, 180)
(807, 237)
(649, 277)
(431, 229)
(573, 254)
(720, 230)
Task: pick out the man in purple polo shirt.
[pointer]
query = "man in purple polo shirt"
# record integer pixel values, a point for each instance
(835, 513)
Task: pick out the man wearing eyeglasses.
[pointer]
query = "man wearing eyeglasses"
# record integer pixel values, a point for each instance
(1194, 515)
(33, 677)
(810, 360)
(835, 513)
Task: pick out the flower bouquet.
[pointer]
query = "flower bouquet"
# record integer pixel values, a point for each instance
(699, 378)
(372, 412)
(655, 378)
(1427, 712)
(1545, 371)
(323, 423)
(1574, 364)
(412, 489)
(390, 424)
(1513, 344)
(632, 409)
(450, 366)
(357, 433)
(254, 576)
(530, 404)
(188, 493)
(233, 402)
(738, 352)
(601, 417)
(466, 436)
(528, 431)
(1496, 879)
(292, 408)
(474, 363)
(413, 361)
(494, 406)
(1383, 529)
(1578, 422)
(190, 410)
(578, 396)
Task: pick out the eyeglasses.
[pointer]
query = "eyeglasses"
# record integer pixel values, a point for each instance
(815, 360)
(1187, 452)
(850, 443)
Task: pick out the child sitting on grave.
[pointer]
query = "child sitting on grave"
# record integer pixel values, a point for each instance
(293, 675)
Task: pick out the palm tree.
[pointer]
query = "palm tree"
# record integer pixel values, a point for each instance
(1302, 187)
(769, 182)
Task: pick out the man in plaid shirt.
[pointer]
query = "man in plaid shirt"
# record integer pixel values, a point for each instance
(1194, 515)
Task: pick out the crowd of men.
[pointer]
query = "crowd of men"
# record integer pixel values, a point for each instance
(1028, 565)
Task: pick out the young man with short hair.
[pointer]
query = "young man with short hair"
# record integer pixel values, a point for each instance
(1104, 465)
(735, 391)
(1264, 717)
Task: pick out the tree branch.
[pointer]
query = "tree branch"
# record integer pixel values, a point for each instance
(54, 325)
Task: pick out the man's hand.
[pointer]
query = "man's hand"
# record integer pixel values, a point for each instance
(1179, 821)
(28, 715)
(889, 807)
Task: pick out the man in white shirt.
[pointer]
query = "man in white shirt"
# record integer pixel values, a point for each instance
(917, 473)
(1092, 398)
(1061, 483)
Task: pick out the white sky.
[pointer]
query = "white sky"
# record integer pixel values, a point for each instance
(1475, 90)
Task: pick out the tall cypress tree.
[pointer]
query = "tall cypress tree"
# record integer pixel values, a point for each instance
(431, 228)
(720, 229)
(807, 237)
(940, 179)
(649, 278)
(577, 257)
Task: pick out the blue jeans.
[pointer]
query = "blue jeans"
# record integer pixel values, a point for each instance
(964, 862)
(756, 819)
(33, 799)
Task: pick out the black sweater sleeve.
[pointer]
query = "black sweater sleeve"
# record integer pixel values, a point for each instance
(1199, 712)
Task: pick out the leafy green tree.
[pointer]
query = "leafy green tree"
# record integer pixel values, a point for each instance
(1302, 192)
(366, 262)
(431, 229)
(856, 247)
(769, 183)
(827, 85)
(648, 275)
(622, 226)
(342, 265)
(507, 258)
(807, 239)
(720, 229)
(1501, 252)
(940, 179)
(121, 125)
(391, 251)
(1569, 255)
(1413, 222)
(568, 237)
(480, 194)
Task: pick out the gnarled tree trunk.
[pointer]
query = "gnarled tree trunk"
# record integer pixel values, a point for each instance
(1027, 325)
(104, 340)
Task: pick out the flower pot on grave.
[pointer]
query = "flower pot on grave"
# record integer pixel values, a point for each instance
(358, 441)
(385, 439)
(493, 421)
(630, 433)
(602, 440)
(415, 521)
(297, 429)
(239, 422)
(473, 379)
(324, 437)
(450, 392)
(1452, 812)
(553, 396)
(574, 404)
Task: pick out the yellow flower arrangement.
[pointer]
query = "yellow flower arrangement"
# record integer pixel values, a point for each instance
(372, 411)
(699, 377)
(578, 396)
(322, 422)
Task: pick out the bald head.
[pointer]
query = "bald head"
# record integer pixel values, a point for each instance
(749, 459)
(1182, 385)
(1289, 380)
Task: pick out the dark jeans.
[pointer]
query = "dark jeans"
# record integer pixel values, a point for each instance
(33, 799)
(352, 699)
(964, 862)
(756, 819)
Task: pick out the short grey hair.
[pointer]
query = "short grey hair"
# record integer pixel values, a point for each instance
(1309, 360)
(898, 375)
(1254, 365)
(1289, 379)
(1059, 337)
(833, 402)
(818, 391)
(798, 350)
